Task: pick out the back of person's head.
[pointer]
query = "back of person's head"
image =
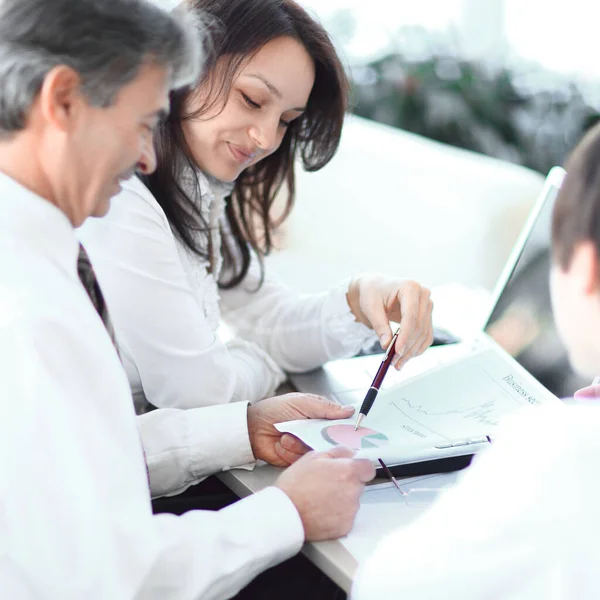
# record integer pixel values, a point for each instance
(239, 29)
(105, 41)
(576, 216)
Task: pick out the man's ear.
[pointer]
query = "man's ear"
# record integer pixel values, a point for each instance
(585, 266)
(61, 97)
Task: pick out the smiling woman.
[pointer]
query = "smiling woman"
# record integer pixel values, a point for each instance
(265, 99)
(183, 246)
(273, 87)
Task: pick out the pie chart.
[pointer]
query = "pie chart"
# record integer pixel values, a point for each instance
(363, 437)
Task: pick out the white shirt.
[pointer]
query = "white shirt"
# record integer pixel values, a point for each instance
(523, 524)
(75, 513)
(166, 308)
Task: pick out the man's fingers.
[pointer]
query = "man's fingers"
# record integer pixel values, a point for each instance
(339, 452)
(362, 467)
(365, 469)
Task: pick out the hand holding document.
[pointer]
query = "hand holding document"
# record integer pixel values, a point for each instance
(447, 412)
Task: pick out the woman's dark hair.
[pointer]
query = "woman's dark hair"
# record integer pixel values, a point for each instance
(576, 215)
(238, 30)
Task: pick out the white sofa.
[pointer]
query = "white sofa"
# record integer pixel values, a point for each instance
(399, 203)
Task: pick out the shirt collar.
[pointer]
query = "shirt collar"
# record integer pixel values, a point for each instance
(32, 220)
(192, 177)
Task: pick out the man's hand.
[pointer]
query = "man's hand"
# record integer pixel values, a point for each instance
(279, 449)
(325, 488)
(375, 300)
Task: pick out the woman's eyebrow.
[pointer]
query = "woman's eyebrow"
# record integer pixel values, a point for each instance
(273, 89)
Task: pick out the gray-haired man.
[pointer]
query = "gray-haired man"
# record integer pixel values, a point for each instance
(83, 83)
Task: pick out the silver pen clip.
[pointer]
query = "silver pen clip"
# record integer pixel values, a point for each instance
(392, 343)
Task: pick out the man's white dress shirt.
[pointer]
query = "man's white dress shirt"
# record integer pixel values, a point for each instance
(166, 308)
(75, 513)
(523, 524)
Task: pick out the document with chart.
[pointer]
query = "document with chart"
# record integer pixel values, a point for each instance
(451, 411)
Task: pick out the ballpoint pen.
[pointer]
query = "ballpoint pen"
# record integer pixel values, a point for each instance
(365, 407)
(391, 477)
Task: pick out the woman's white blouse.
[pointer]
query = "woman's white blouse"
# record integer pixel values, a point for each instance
(167, 307)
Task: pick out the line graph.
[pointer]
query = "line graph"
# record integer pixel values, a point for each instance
(462, 400)
(469, 398)
(483, 414)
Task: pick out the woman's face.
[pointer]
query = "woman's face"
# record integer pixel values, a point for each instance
(269, 92)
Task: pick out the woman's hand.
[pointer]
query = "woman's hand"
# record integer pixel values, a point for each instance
(376, 299)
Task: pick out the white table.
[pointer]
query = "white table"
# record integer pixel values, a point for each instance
(331, 556)
(465, 309)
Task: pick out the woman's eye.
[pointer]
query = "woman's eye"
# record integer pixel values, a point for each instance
(249, 101)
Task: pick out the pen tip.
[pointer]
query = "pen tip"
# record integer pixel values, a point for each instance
(358, 421)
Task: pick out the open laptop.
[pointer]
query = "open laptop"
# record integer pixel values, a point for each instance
(520, 323)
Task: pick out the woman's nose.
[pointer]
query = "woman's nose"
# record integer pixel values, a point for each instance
(265, 135)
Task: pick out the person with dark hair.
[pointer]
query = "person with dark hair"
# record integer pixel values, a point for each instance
(523, 523)
(84, 83)
(183, 246)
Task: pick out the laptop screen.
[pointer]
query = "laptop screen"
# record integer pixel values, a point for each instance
(521, 321)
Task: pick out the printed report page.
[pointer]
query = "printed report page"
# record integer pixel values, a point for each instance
(463, 399)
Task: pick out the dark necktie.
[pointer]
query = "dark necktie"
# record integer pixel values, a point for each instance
(90, 283)
(92, 287)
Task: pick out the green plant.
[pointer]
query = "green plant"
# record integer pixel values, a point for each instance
(530, 117)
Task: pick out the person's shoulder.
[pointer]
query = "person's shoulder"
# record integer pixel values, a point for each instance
(135, 196)
(36, 305)
(571, 419)
(580, 425)
(133, 207)
(556, 433)
(135, 186)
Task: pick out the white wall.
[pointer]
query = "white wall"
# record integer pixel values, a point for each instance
(396, 202)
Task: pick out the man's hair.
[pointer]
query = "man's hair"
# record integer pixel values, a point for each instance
(576, 215)
(105, 41)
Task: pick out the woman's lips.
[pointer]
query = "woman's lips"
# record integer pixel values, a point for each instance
(239, 154)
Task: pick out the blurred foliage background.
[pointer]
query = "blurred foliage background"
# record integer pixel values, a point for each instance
(512, 109)
(531, 117)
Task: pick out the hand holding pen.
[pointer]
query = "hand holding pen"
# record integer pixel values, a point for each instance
(367, 403)
(377, 300)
